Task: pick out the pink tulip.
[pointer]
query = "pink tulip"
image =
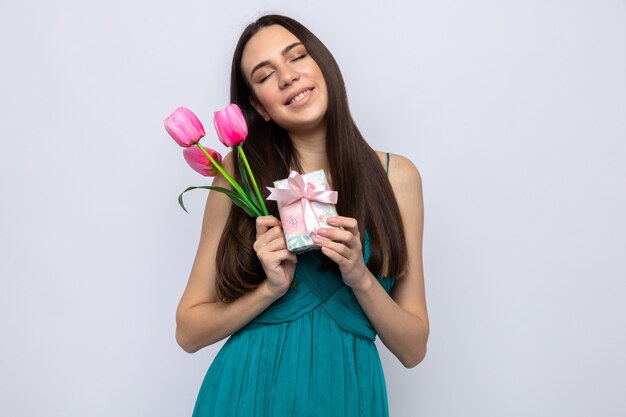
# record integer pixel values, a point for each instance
(184, 127)
(230, 125)
(199, 161)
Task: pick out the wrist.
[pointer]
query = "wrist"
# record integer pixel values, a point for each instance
(271, 292)
(365, 285)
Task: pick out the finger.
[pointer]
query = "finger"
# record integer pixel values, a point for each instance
(275, 245)
(339, 248)
(348, 223)
(263, 223)
(272, 236)
(292, 257)
(261, 226)
(343, 236)
(275, 232)
(283, 255)
(289, 256)
(332, 255)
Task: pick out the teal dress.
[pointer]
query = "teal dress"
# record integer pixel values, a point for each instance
(310, 353)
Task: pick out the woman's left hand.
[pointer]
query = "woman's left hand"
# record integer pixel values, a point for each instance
(344, 247)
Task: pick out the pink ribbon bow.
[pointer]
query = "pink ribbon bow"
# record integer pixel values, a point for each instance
(306, 192)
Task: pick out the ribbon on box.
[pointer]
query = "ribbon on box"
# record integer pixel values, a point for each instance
(306, 192)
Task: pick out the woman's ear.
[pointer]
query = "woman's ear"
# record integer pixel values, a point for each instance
(259, 108)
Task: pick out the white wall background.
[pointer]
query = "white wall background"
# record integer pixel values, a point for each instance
(514, 113)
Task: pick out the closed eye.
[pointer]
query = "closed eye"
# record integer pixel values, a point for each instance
(295, 59)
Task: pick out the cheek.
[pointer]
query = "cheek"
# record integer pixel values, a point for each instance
(318, 74)
(267, 97)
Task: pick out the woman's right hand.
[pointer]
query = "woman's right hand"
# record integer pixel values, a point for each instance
(278, 262)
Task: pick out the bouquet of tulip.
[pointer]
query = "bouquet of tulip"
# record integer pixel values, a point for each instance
(187, 130)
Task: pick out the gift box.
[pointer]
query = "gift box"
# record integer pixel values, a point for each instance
(304, 203)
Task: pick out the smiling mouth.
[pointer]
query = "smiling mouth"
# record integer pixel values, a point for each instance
(299, 96)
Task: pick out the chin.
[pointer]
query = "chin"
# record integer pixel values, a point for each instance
(305, 121)
(308, 124)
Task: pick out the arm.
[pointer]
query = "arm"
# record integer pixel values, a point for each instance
(201, 319)
(204, 324)
(401, 320)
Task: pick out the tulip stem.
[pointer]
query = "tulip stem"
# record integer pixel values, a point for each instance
(256, 188)
(229, 179)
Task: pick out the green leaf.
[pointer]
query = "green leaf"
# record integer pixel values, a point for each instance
(246, 183)
(237, 200)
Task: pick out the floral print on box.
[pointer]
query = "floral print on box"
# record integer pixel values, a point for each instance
(291, 216)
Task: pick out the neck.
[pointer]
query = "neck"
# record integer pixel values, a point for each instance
(311, 148)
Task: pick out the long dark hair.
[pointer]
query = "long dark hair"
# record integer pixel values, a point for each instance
(356, 172)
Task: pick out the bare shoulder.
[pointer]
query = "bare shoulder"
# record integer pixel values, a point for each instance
(228, 163)
(406, 182)
(201, 283)
(403, 174)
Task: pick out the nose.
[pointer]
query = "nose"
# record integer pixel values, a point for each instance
(288, 76)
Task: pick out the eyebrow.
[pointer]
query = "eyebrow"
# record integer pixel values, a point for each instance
(283, 52)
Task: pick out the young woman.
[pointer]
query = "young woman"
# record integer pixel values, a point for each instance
(302, 327)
